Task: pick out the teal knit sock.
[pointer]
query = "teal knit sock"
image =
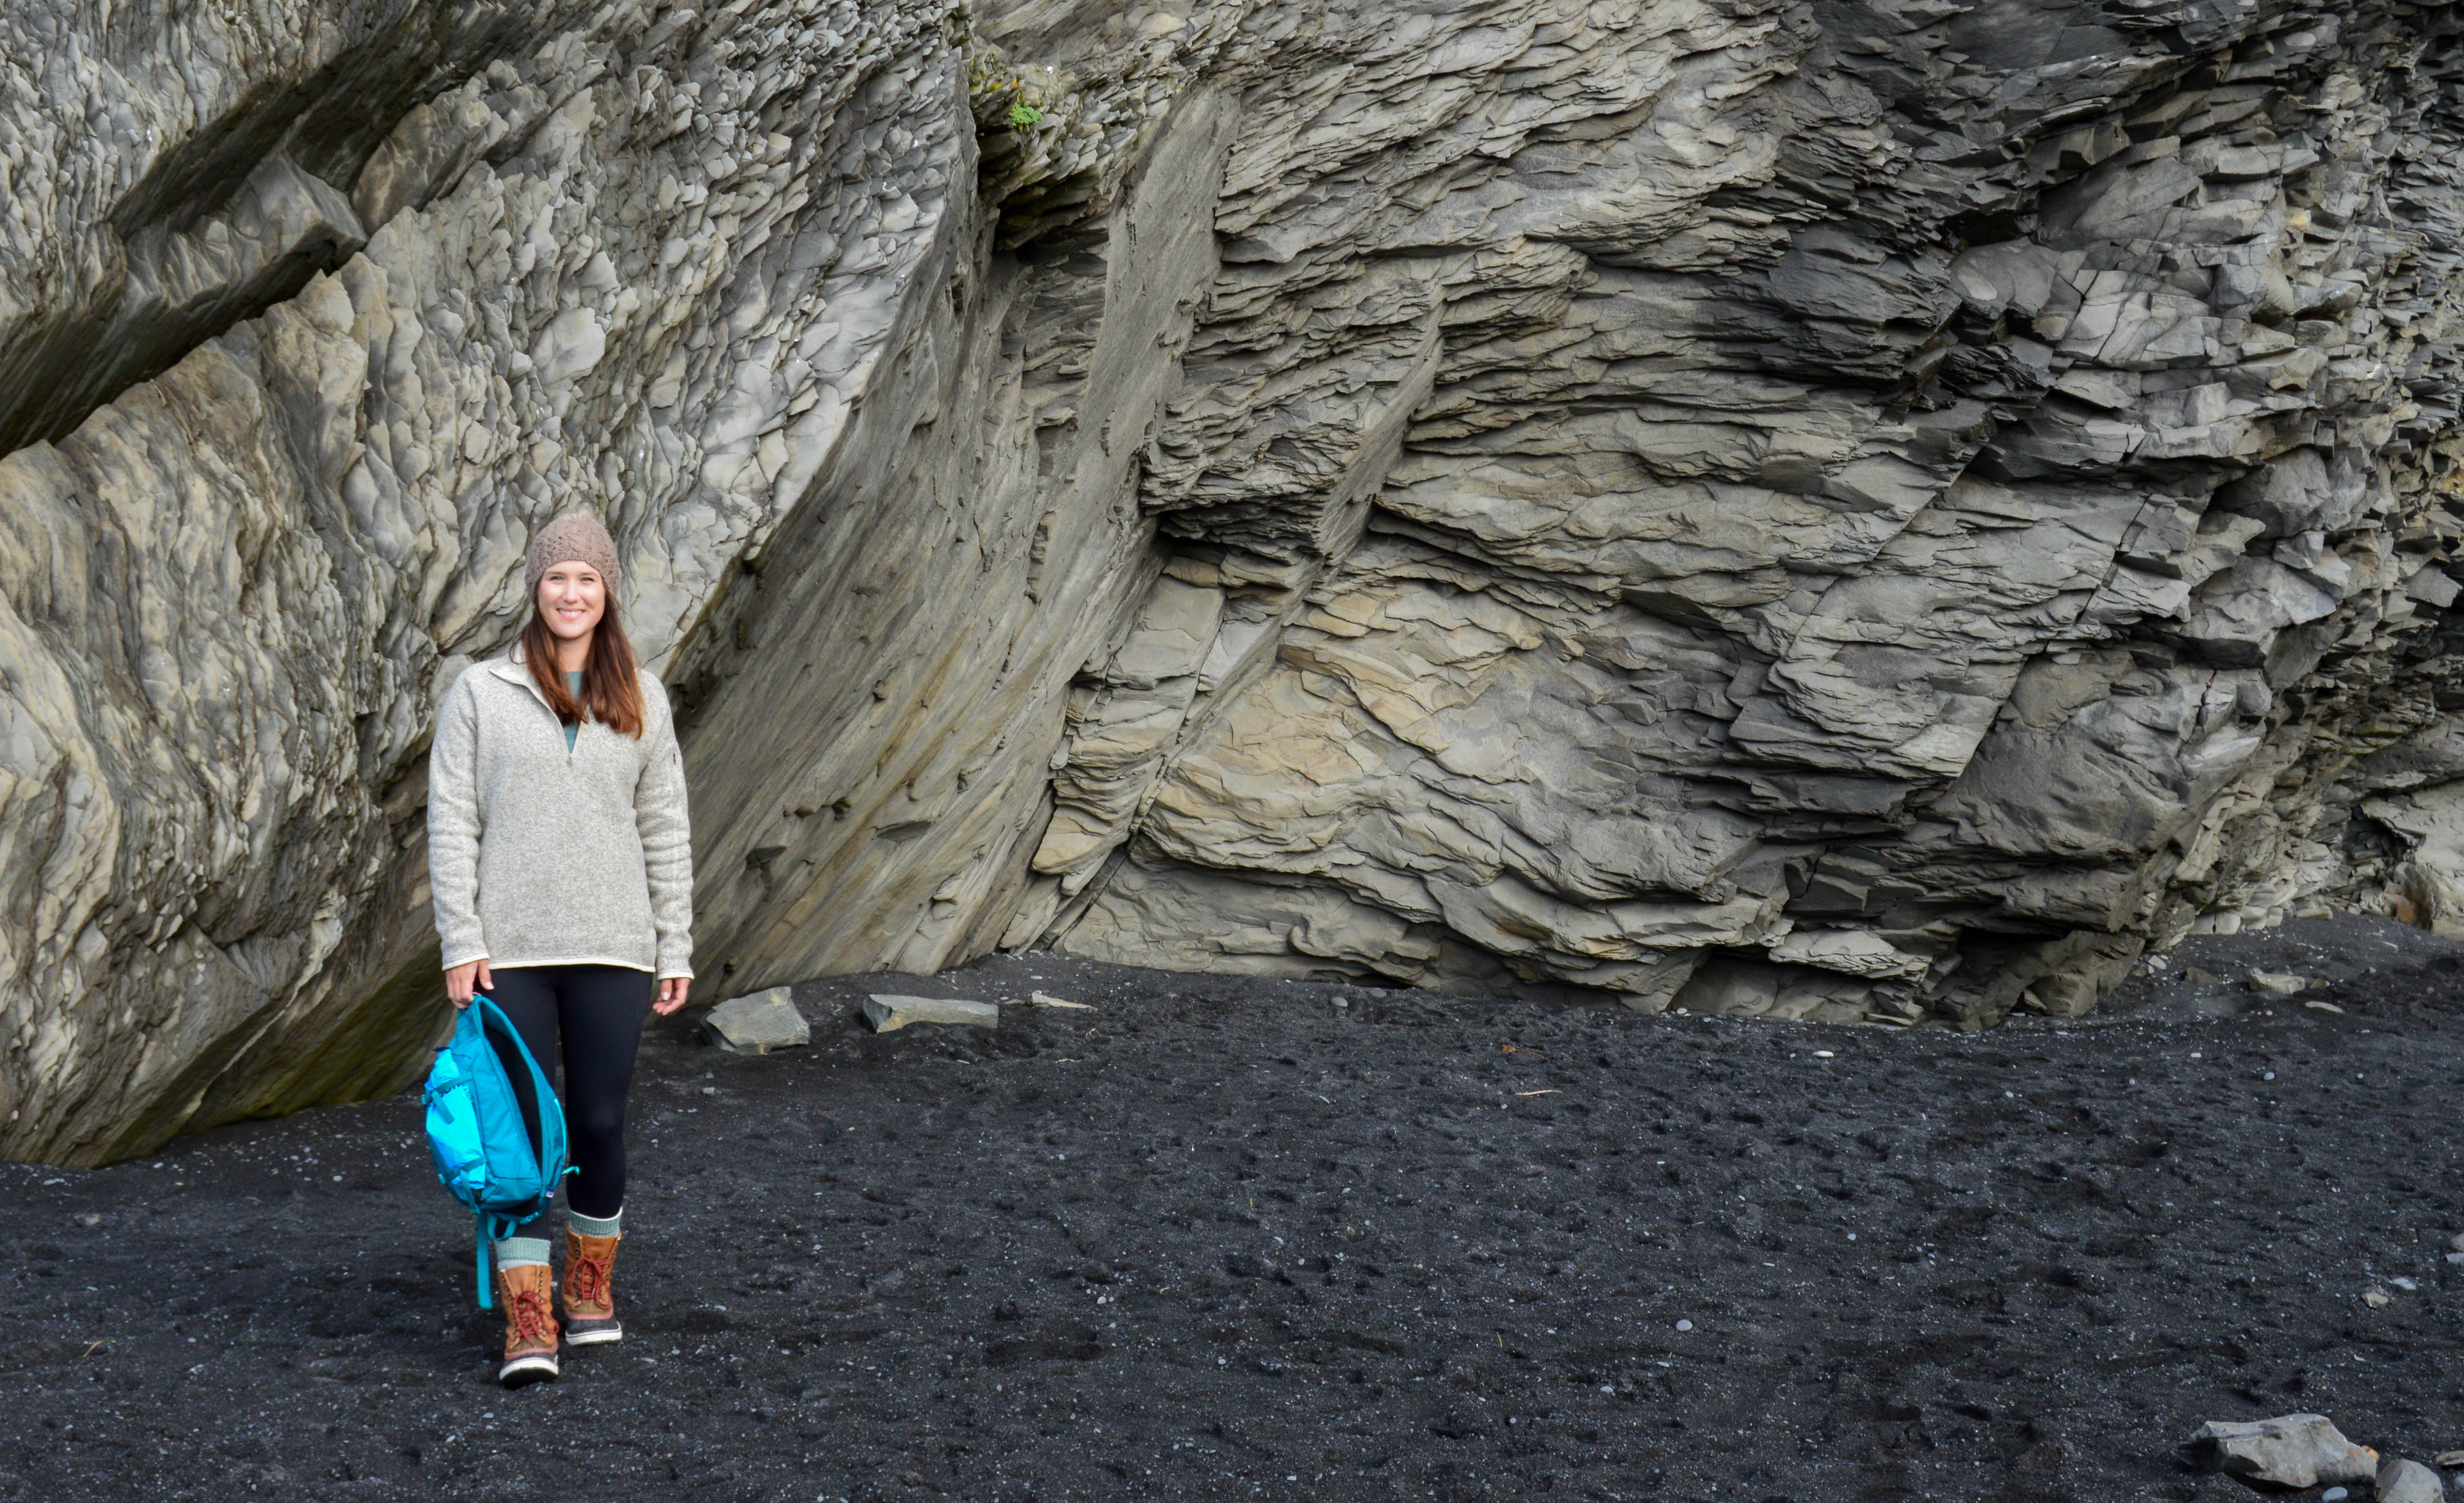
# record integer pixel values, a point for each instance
(595, 1226)
(515, 1252)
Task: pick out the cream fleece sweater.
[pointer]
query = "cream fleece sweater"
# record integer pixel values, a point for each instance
(540, 856)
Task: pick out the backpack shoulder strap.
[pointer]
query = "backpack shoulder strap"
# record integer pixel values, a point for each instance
(498, 1227)
(543, 1093)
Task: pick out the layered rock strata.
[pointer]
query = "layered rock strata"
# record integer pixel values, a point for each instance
(1854, 511)
(1869, 510)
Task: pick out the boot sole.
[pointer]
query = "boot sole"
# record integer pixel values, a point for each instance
(523, 1371)
(588, 1337)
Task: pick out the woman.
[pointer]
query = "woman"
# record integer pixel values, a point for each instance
(562, 862)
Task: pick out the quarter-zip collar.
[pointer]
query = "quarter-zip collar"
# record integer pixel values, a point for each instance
(512, 669)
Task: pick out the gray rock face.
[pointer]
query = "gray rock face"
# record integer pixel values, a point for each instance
(2292, 1451)
(2402, 1481)
(760, 1023)
(1860, 525)
(618, 256)
(1865, 509)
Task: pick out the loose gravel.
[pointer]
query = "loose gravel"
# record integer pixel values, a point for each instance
(1229, 1239)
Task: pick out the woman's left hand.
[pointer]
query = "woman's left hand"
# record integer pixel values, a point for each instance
(671, 994)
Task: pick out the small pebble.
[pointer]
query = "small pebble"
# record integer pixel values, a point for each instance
(1685, 1325)
(1825, 1054)
(2335, 1494)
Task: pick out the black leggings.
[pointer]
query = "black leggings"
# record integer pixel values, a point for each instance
(599, 1010)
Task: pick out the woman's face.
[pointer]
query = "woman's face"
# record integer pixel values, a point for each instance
(572, 597)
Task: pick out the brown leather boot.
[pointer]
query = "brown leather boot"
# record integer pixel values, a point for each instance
(530, 1325)
(590, 1290)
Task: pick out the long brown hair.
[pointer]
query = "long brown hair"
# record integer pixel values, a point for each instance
(612, 685)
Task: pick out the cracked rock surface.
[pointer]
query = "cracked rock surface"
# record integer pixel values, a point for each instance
(1850, 510)
(1868, 510)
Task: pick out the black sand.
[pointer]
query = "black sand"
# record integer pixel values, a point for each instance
(1217, 1238)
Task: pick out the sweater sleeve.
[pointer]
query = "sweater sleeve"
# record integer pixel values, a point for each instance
(666, 827)
(454, 828)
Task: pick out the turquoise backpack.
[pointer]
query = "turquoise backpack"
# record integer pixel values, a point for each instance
(483, 1150)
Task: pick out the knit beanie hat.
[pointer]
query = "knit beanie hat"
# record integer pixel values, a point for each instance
(574, 537)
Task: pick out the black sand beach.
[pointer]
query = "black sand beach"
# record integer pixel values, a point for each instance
(1223, 1238)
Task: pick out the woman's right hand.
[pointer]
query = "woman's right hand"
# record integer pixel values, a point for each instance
(460, 981)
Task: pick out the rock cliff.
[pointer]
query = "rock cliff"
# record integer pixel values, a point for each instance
(1869, 510)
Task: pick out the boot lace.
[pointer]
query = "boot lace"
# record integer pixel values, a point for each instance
(586, 1280)
(528, 1314)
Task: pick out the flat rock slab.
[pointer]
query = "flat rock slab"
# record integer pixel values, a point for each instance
(2291, 1450)
(758, 1023)
(887, 1013)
